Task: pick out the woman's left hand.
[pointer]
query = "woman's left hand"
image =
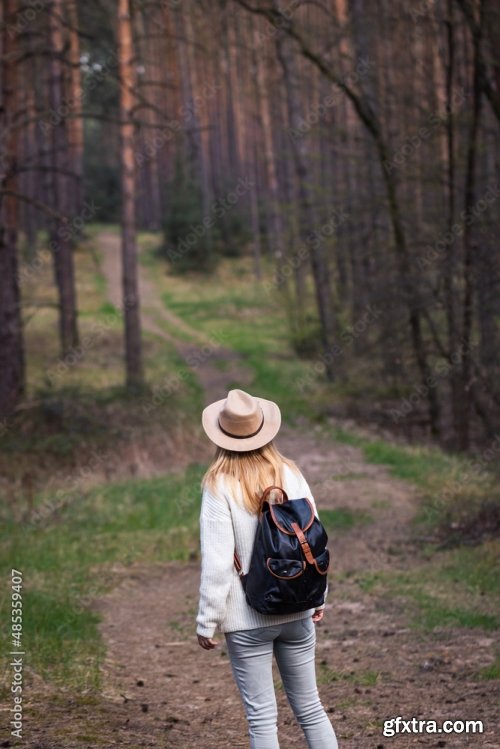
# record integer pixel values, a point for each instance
(207, 643)
(318, 615)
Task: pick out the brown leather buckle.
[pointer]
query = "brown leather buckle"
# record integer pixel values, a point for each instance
(306, 549)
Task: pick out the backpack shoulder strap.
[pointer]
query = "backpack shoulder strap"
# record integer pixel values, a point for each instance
(265, 494)
(269, 489)
(237, 564)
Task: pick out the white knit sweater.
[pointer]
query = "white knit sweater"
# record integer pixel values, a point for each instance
(225, 525)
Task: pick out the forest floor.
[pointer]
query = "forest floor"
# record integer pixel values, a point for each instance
(375, 657)
(371, 664)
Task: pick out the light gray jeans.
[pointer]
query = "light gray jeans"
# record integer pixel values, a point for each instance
(251, 655)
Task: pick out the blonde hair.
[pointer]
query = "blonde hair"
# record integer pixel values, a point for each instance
(255, 469)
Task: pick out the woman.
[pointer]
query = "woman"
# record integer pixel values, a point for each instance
(246, 462)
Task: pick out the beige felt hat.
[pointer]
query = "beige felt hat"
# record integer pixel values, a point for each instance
(241, 422)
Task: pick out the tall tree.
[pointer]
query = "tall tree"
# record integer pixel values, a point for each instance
(273, 212)
(308, 213)
(11, 331)
(75, 122)
(62, 186)
(463, 426)
(187, 71)
(288, 27)
(131, 311)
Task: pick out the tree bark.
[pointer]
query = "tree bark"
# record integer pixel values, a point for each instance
(370, 121)
(309, 223)
(273, 215)
(11, 329)
(463, 426)
(450, 259)
(131, 311)
(61, 231)
(187, 71)
(75, 122)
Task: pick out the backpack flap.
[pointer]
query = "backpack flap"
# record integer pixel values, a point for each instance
(296, 512)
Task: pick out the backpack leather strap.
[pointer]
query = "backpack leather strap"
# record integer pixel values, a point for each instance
(303, 543)
(239, 570)
(237, 564)
(269, 489)
(306, 548)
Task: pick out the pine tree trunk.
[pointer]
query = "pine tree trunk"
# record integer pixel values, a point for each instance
(450, 256)
(273, 214)
(75, 123)
(309, 221)
(133, 347)
(11, 331)
(61, 230)
(463, 426)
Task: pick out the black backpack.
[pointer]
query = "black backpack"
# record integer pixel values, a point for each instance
(289, 563)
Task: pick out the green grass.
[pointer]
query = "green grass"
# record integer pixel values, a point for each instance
(454, 494)
(61, 637)
(77, 406)
(327, 675)
(349, 476)
(457, 588)
(236, 309)
(148, 242)
(98, 363)
(422, 466)
(233, 309)
(68, 557)
(491, 672)
(107, 310)
(430, 613)
(344, 518)
(65, 558)
(367, 581)
(476, 569)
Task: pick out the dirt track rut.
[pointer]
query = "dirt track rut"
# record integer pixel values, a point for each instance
(162, 690)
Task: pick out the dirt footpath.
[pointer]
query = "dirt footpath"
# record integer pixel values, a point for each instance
(163, 690)
(371, 665)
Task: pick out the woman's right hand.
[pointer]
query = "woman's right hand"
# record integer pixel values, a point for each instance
(318, 615)
(207, 643)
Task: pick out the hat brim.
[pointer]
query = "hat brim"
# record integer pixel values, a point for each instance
(270, 428)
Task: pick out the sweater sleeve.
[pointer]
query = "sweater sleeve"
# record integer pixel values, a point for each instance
(308, 493)
(217, 562)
